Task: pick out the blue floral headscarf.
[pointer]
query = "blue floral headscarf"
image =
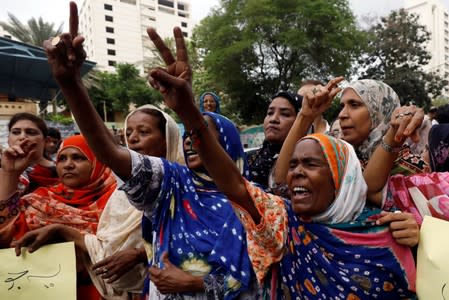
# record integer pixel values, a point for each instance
(216, 98)
(195, 223)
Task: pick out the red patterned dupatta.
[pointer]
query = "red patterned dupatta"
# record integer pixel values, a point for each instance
(78, 208)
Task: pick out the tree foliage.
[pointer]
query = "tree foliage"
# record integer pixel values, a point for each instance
(396, 54)
(118, 90)
(250, 49)
(35, 32)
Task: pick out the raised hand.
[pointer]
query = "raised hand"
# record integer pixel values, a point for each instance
(175, 81)
(17, 158)
(115, 266)
(318, 99)
(65, 53)
(405, 122)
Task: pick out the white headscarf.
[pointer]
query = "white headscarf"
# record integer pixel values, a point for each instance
(381, 100)
(172, 135)
(119, 227)
(350, 186)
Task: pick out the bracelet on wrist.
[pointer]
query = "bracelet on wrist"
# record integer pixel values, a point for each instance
(388, 148)
(194, 134)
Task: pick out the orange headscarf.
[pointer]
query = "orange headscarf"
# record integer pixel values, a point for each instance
(79, 208)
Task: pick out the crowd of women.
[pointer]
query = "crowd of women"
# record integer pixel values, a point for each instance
(319, 211)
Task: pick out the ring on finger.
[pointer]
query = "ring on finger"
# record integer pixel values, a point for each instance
(105, 270)
(56, 40)
(400, 115)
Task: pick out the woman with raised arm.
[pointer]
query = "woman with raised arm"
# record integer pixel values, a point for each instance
(301, 239)
(115, 255)
(77, 200)
(193, 223)
(426, 194)
(376, 174)
(42, 171)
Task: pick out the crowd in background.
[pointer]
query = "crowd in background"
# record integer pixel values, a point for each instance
(321, 210)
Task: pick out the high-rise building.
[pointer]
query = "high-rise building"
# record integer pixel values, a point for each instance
(435, 17)
(115, 30)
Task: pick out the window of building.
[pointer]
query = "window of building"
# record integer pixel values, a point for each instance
(446, 24)
(109, 29)
(152, 18)
(111, 63)
(7, 36)
(109, 18)
(446, 15)
(181, 6)
(185, 34)
(110, 41)
(108, 6)
(133, 2)
(183, 24)
(166, 3)
(181, 15)
(111, 52)
(446, 41)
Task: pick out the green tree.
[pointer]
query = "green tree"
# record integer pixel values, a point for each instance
(116, 91)
(250, 49)
(35, 32)
(396, 55)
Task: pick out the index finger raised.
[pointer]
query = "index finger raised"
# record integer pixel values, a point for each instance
(73, 21)
(333, 82)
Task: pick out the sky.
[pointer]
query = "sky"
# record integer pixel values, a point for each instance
(57, 11)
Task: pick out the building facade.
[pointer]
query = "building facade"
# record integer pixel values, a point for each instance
(435, 17)
(115, 30)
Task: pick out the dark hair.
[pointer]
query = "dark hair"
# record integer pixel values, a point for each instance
(54, 133)
(433, 109)
(311, 82)
(294, 99)
(442, 115)
(155, 113)
(30, 117)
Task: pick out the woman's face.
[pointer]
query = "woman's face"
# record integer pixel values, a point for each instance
(279, 119)
(25, 129)
(143, 135)
(73, 167)
(309, 179)
(355, 121)
(193, 160)
(209, 103)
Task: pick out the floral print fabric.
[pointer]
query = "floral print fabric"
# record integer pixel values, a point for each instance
(192, 221)
(354, 260)
(439, 148)
(381, 100)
